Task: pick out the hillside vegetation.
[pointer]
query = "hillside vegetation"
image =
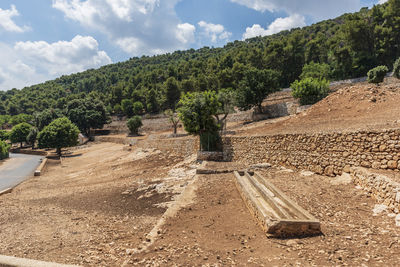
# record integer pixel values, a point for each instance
(350, 45)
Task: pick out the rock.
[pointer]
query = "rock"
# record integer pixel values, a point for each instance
(397, 197)
(379, 208)
(382, 148)
(397, 219)
(261, 166)
(329, 171)
(306, 173)
(345, 178)
(392, 164)
(291, 242)
(346, 169)
(376, 165)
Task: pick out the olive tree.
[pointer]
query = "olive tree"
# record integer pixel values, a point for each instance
(59, 134)
(20, 132)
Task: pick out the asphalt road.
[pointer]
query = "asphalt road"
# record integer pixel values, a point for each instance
(17, 168)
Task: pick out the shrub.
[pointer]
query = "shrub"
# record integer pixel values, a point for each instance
(20, 132)
(310, 90)
(396, 69)
(4, 148)
(376, 75)
(134, 124)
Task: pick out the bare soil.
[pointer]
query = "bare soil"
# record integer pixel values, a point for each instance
(361, 106)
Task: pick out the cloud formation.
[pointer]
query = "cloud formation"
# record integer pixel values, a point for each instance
(280, 24)
(28, 63)
(316, 9)
(6, 22)
(136, 26)
(215, 32)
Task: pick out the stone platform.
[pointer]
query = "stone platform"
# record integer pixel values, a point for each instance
(276, 213)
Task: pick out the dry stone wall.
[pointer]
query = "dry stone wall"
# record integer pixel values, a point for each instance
(380, 187)
(322, 153)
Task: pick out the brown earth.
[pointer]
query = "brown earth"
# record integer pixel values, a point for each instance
(357, 106)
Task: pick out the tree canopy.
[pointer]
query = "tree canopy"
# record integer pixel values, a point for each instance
(59, 134)
(20, 132)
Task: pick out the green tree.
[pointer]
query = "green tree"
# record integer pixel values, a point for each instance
(59, 134)
(45, 117)
(197, 112)
(377, 75)
(20, 132)
(134, 124)
(32, 136)
(172, 92)
(127, 107)
(4, 150)
(87, 113)
(396, 69)
(4, 135)
(152, 105)
(173, 118)
(137, 108)
(226, 98)
(255, 87)
(310, 90)
(315, 70)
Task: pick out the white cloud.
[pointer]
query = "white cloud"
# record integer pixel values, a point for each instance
(6, 22)
(316, 9)
(216, 32)
(382, 1)
(280, 24)
(136, 26)
(28, 63)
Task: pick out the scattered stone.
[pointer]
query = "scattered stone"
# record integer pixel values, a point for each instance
(379, 208)
(306, 173)
(345, 178)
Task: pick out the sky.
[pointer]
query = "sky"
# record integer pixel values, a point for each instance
(44, 39)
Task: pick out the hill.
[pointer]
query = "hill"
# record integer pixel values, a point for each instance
(350, 44)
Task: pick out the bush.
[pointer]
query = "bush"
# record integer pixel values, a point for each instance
(310, 90)
(376, 75)
(396, 69)
(4, 148)
(134, 124)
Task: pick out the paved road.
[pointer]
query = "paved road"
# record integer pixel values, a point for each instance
(17, 168)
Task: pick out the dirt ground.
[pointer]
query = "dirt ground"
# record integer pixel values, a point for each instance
(352, 107)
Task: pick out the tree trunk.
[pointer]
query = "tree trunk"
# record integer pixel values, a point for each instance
(58, 151)
(20, 145)
(175, 128)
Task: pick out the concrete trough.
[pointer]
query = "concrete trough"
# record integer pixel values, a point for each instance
(276, 213)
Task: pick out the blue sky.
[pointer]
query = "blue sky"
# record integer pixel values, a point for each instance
(44, 39)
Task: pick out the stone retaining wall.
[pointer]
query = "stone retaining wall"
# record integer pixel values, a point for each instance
(179, 146)
(322, 153)
(380, 187)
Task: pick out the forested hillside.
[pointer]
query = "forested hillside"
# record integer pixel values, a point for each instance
(351, 45)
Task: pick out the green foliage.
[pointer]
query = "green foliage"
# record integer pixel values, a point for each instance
(4, 150)
(197, 112)
(255, 87)
(20, 132)
(350, 44)
(376, 75)
(396, 68)
(4, 119)
(310, 90)
(20, 118)
(315, 70)
(32, 136)
(4, 135)
(134, 124)
(118, 109)
(173, 118)
(45, 117)
(172, 92)
(59, 134)
(86, 114)
(137, 108)
(127, 107)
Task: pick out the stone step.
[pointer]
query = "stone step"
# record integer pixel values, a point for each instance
(276, 213)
